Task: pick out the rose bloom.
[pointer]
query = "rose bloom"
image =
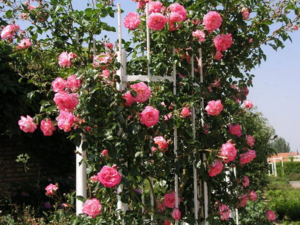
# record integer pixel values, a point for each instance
(105, 73)
(271, 215)
(169, 200)
(248, 104)
(175, 7)
(247, 157)
(64, 59)
(155, 7)
(245, 181)
(59, 84)
(132, 21)
(92, 207)
(161, 142)
(104, 153)
(185, 112)
(245, 13)
(199, 34)
(142, 92)
(214, 108)
(250, 140)
(224, 212)
(167, 222)
(167, 117)
(94, 179)
(215, 168)
(160, 206)
(109, 45)
(228, 150)
(102, 58)
(66, 101)
(252, 195)
(25, 43)
(26, 124)
(65, 120)
(9, 31)
(176, 214)
(174, 17)
(149, 116)
(50, 189)
(156, 21)
(73, 83)
(212, 21)
(47, 127)
(223, 42)
(129, 99)
(235, 129)
(109, 177)
(218, 55)
(243, 200)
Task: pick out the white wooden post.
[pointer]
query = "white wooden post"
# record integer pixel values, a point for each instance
(275, 169)
(80, 176)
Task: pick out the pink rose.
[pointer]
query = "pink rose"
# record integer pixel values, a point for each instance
(161, 142)
(132, 21)
(250, 140)
(252, 195)
(109, 177)
(271, 215)
(149, 116)
(185, 112)
(47, 127)
(155, 7)
(142, 92)
(295, 27)
(245, 13)
(167, 117)
(169, 200)
(235, 129)
(25, 43)
(167, 222)
(66, 101)
(245, 181)
(243, 200)
(218, 55)
(31, 7)
(59, 84)
(214, 108)
(175, 7)
(176, 214)
(174, 17)
(200, 35)
(224, 212)
(223, 42)
(9, 31)
(94, 179)
(105, 73)
(247, 157)
(248, 104)
(64, 59)
(109, 45)
(215, 168)
(212, 21)
(27, 125)
(101, 59)
(228, 150)
(129, 99)
(50, 189)
(92, 207)
(156, 21)
(65, 120)
(73, 83)
(104, 153)
(160, 206)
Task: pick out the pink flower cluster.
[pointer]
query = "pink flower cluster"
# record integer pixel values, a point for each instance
(250, 140)
(212, 21)
(199, 34)
(176, 214)
(252, 195)
(223, 42)
(51, 189)
(92, 207)
(149, 116)
(247, 157)
(65, 59)
(243, 200)
(185, 112)
(245, 13)
(229, 152)
(215, 168)
(245, 181)
(224, 212)
(66, 101)
(156, 21)
(161, 142)
(25, 43)
(65, 120)
(27, 124)
(142, 91)
(214, 108)
(248, 104)
(101, 60)
(109, 177)
(235, 129)
(271, 215)
(47, 127)
(9, 31)
(132, 21)
(155, 7)
(178, 14)
(169, 200)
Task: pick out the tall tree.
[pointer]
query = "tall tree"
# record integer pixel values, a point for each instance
(280, 145)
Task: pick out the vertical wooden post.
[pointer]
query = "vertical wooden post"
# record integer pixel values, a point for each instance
(80, 176)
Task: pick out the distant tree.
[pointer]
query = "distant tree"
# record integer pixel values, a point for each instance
(280, 145)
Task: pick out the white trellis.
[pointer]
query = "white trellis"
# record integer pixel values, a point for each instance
(124, 78)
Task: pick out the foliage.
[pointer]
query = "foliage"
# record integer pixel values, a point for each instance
(280, 145)
(103, 121)
(288, 168)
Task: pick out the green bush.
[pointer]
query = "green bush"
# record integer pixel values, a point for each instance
(288, 168)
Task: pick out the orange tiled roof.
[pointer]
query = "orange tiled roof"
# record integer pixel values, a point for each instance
(284, 155)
